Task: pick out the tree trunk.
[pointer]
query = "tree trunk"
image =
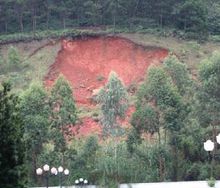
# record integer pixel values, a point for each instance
(214, 134)
(184, 24)
(34, 21)
(6, 27)
(21, 22)
(161, 21)
(64, 22)
(78, 19)
(175, 163)
(114, 20)
(48, 18)
(161, 168)
(116, 161)
(34, 166)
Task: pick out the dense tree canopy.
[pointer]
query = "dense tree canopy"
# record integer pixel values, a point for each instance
(31, 15)
(12, 153)
(35, 113)
(63, 111)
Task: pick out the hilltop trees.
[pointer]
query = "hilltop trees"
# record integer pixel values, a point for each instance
(189, 16)
(12, 153)
(192, 17)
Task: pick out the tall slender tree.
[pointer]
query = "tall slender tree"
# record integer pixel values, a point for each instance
(114, 102)
(63, 112)
(12, 153)
(35, 114)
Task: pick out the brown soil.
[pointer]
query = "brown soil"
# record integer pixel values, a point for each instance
(87, 63)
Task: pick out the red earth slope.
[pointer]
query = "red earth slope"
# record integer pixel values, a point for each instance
(86, 63)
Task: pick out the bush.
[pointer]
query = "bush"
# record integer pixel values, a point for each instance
(211, 182)
(13, 56)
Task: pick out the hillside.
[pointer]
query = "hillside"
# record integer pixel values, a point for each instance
(87, 62)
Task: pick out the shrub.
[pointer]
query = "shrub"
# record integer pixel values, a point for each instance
(13, 56)
(211, 182)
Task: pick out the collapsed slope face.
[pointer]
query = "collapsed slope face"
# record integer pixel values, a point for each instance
(86, 63)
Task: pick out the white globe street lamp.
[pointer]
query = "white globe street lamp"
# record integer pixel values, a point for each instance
(209, 145)
(66, 172)
(46, 167)
(60, 169)
(76, 181)
(81, 182)
(39, 171)
(218, 138)
(53, 171)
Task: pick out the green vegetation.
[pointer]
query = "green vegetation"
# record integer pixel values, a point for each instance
(177, 105)
(46, 118)
(173, 111)
(63, 112)
(176, 112)
(211, 182)
(35, 113)
(12, 157)
(194, 18)
(113, 101)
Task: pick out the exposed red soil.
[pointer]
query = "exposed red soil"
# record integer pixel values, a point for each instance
(87, 63)
(89, 126)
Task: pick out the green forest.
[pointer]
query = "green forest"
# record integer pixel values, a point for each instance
(176, 106)
(191, 16)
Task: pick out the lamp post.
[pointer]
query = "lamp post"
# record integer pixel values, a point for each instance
(209, 146)
(46, 170)
(54, 171)
(61, 171)
(81, 182)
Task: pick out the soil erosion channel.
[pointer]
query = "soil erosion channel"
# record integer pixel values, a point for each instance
(86, 63)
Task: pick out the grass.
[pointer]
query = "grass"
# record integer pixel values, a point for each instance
(51, 34)
(188, 51)
(32, 68)
(37, 56)
(87, 111)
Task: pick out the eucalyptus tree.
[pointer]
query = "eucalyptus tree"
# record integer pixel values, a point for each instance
(208, 93)
(113, 99)
(93, 11)
(115, 8)
(35, 114)
(213, 16)
(19, 7)
(63, 112)
(12, 153)
(6, 15)
(163, 106)
(192, 17)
